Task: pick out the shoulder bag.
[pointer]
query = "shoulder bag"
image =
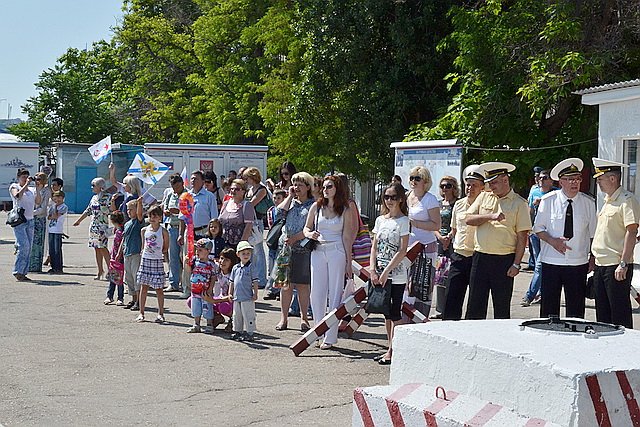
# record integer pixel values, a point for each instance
(273, 236)
(16, 217)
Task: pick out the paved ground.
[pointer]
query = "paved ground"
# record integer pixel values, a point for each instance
(69, 360)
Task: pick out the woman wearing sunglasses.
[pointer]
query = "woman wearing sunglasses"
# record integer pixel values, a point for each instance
(387, 262)
(329, 224)
(287, 170)
(450, 193)
(424, 217)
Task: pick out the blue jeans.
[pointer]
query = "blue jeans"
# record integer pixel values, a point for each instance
(536, 280)
(112, 289)
(24, 241)
(273, 253)
(534, 250)
(55, 251)
(175, 255)
(260, 261)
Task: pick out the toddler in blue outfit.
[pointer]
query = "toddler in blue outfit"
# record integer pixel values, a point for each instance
(243, 287)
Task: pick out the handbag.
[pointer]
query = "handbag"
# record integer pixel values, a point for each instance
(256, 237)
(307, 243)
(361, 247)
(421, 278)
(379, 299)
(16, 217)
(274, 233)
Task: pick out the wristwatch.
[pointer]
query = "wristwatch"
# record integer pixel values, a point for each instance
(516, 266)
(623, 264)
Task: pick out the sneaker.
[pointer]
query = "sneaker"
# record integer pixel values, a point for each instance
(236, 336)
(194, 329)
(108, 301)
(129, 305)
(140, 318)
(247, 338)
(135, 307)
(160, 319)
(120, 303)
(525, 302)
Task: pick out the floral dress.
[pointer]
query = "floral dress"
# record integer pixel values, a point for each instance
(99, 210)
(116, 266)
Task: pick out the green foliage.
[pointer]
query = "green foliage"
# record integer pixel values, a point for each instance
(517, 66)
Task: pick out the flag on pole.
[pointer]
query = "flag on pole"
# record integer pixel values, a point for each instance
(101, 149)
(147, 169)
(185, 177)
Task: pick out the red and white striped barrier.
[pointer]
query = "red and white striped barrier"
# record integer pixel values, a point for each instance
(356, 321)
(430, 406)
(613, 400)
(414, 315)
(347, 307)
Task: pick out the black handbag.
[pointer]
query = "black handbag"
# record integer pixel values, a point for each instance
(379, 299)
(16, 217)
(273, 236)
(421, 277)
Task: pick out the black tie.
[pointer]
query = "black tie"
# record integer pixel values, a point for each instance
(568, 220)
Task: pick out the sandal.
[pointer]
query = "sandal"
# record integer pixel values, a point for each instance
(140, 318)
(160, 319)
(329, 347)
(304, 327)
(384, 361)
(281, 327)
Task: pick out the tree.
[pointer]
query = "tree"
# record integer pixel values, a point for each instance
(517, 65)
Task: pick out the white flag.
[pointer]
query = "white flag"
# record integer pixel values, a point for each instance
(101, 149)
(185, 177)
(147, 169)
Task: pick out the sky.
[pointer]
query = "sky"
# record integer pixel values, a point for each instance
(34, 33)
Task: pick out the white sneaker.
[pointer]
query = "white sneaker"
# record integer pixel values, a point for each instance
(108, 301)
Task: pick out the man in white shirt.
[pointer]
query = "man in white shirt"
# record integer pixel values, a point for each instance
(565, 223)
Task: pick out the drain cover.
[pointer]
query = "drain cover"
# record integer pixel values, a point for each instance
(555, 324)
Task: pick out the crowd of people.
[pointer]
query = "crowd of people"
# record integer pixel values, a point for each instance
(474, 243)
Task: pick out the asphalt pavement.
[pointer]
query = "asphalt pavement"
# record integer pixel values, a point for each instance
(67, 359)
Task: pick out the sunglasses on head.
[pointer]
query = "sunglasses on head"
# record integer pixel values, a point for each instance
(415, 178)
(447, 186)
(393, 197)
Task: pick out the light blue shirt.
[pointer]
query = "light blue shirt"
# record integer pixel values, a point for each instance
(205, 208)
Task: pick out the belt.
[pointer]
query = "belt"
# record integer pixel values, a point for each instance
(329, 246)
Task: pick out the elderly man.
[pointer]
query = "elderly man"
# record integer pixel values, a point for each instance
(565, 224)
(502, 222)
(170, 206)
(204, 210)
(463, 243)
(613, 244)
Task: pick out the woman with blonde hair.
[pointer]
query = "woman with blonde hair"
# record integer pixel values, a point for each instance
(296, 208)
(424, 218)
(98, 209)
(130, 186)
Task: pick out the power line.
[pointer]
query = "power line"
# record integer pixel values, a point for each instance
(532, 148)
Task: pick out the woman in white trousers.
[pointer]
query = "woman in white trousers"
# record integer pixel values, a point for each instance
(331, 259)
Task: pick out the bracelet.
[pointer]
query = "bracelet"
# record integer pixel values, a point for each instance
(516, 266)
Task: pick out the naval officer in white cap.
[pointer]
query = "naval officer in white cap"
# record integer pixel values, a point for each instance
(463, 244)
(565, 224)
(613, 244)
(503, 223)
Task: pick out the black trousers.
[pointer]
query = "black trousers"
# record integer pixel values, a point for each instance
(489, 273)
(574, 280)
(458, 281)
(613, 303)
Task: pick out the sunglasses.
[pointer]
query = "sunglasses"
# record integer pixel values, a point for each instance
(393, 197)
(327, 187)
(447, 186)
(415, 178)
(234, 189)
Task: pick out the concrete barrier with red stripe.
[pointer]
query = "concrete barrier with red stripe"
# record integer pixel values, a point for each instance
(419, 404)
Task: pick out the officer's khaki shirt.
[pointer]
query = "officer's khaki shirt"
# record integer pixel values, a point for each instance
(619, 211)
(500, 237)
(465, 237)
